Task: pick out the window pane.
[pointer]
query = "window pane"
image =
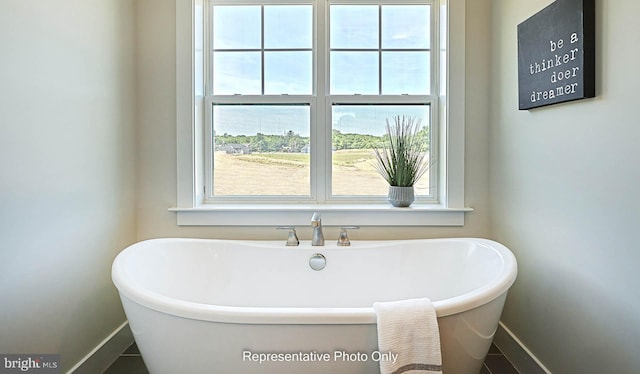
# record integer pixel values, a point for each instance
(236, 27)
(288, 26)
(406, 26)
(354, 73)
(288, 73)
(261, 150)
(406, 73)
(354, 26)
(357, 130)
(198, 44)
(236, 73)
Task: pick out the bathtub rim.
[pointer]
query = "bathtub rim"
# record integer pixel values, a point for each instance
(304, 315)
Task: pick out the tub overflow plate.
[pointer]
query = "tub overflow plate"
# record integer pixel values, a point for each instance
(317, 262)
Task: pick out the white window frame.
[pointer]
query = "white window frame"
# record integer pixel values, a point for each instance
(192, 207)
(311, 100)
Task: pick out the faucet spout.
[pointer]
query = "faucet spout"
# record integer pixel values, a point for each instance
(316, 222)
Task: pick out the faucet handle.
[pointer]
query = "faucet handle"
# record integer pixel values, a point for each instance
(343, 238)
(292, 240)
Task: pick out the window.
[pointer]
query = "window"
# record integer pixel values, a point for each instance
(260, 100)
(296, 97)
(271, 113)
(379, 67)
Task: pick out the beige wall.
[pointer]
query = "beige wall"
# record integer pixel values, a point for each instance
(67, 183)
(157, 140)
(564, 197)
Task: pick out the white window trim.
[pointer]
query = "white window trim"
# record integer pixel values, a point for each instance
(190, 115)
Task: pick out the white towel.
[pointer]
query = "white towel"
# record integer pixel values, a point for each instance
(409, 328)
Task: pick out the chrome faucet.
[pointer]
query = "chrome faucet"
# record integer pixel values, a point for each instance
(316, 223)
(292, 240)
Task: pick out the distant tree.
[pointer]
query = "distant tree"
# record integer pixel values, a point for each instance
(355, 141)
(425, 134)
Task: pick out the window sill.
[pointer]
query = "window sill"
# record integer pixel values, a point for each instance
(332, 215)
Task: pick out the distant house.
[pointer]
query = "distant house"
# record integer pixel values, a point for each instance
(234, 149)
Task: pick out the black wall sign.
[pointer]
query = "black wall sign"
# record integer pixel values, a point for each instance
(556, 54)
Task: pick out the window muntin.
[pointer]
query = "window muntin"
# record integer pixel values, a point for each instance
(389, 46)
(394, 69)
(262, 49)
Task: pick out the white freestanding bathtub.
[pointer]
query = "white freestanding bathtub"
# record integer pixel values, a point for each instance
(218, 306)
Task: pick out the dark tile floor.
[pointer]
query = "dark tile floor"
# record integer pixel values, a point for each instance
(130, 362)
(497, 363)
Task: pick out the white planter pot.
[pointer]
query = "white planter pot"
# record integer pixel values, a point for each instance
(401, 197)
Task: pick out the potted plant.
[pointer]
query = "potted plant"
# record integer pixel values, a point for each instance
(403, 159)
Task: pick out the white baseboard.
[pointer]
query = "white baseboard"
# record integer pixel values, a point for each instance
(520, 357)
(105, 354)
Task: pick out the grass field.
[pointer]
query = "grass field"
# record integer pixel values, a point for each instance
(289, 174)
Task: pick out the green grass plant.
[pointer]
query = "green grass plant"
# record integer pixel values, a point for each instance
(403, 158)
